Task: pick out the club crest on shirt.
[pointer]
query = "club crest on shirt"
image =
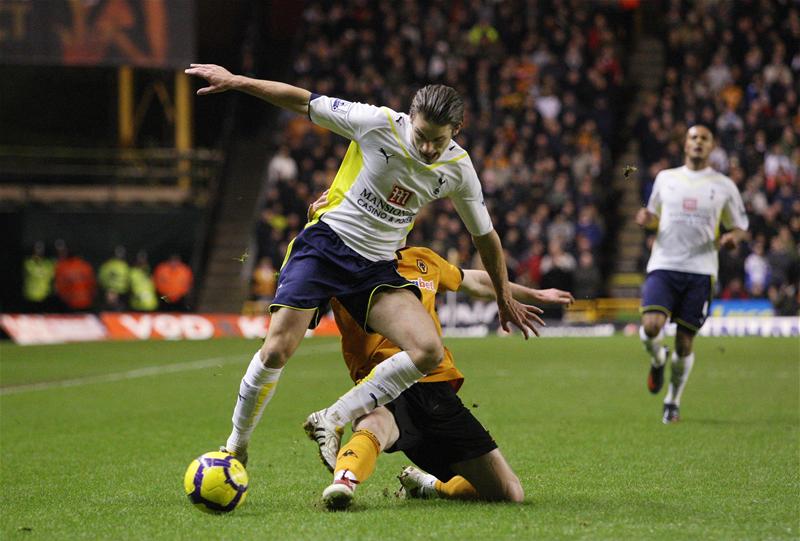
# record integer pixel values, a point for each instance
(423, 268)
(441, 182)
(689, 204)
(399, 196)
(340, 106)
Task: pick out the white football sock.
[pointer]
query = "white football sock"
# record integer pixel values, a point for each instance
(681, 368)
(255, 391)
(654, 346)
(382, 385)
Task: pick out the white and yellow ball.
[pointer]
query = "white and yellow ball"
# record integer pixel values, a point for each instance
(216, 482)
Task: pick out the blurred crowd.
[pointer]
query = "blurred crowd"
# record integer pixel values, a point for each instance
(69, 283)
(735, 67)
(540, 82)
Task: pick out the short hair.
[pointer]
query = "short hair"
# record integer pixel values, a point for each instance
(439, 104)
(705, 127)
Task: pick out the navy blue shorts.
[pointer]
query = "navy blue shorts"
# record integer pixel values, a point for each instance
(682, 296)
(320, 266)
(436, 429)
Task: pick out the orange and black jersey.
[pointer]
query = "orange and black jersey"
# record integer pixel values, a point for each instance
(432, 274)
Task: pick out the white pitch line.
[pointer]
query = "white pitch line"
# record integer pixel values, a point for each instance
(140, 373)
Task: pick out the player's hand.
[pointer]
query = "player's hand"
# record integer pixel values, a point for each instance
(728, 241)
(219, 79)
(555, 296)
(321, 201)
(642, 217)
(523, 316)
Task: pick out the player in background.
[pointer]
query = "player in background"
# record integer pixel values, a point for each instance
(395, 164)
(686, 206)
(428, 422)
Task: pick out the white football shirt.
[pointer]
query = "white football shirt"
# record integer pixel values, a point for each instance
(690, 206)
(383, 182)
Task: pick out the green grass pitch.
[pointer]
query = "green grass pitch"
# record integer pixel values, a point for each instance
(95, 439)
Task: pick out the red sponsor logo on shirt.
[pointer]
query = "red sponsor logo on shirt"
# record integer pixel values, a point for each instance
(399, 196)
(690, 204)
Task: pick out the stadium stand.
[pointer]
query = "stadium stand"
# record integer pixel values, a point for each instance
(543, 83)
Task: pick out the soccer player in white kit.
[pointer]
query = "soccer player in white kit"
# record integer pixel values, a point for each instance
(687, 206)
(395, 164)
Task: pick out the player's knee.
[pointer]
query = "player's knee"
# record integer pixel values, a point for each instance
(651, 328)
(429, 355)
(514, 492)
(273, 356)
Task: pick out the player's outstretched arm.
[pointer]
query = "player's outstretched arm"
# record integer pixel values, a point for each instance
(279, 94)
(509, 310)
(478, 284)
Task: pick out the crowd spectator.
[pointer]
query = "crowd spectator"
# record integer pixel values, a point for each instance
(756, 271)
(75, 282)
(143, 297)
(114, 278)
(734, 290)
(282, 166)
(587, 279)
(38, 273)
(264, 280)
(558, 271)
(174, 280)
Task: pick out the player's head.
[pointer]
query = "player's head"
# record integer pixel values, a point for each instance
(698, 146)
(437, 113)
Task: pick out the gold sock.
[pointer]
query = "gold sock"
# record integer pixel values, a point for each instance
(456, 488)
(359, 455)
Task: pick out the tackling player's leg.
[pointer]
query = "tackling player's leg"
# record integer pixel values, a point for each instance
(415, 483)
(356, 459)
(487, 477)
(492, 477)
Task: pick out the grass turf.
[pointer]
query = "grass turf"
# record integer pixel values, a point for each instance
(86, 455)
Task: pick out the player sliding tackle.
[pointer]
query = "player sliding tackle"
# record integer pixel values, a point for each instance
(428, 422)
(395, 164)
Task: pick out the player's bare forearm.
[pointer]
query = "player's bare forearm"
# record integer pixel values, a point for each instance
(508, 309)
(478, 284)
(283, 95)
(279, 94)
(491, 252)
(732, 238)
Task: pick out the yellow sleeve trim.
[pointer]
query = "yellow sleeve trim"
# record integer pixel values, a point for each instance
(394, 131)
(454, 160)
